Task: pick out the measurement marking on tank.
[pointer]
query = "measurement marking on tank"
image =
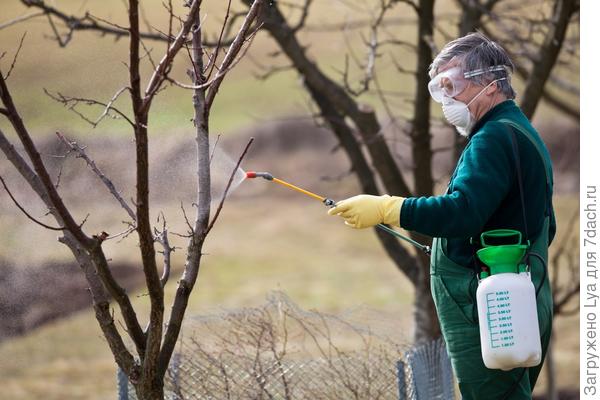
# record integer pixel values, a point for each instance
(500, 332)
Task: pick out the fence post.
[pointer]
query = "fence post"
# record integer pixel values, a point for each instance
(175, 370)
(123, 385)
(447, 375)
(431, 371)
(401, 380)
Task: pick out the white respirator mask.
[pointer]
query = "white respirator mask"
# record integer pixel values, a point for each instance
(444, 86)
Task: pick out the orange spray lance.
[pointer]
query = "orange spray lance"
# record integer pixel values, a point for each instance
(331, 203)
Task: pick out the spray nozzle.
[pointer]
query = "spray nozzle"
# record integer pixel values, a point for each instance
(265, 175)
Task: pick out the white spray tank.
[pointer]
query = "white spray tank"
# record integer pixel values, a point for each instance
(506, 304)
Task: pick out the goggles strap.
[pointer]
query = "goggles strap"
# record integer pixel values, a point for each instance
(481, 71)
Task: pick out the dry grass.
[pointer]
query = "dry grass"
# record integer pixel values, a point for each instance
(261, 244)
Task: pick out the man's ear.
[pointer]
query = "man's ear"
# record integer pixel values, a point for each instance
(492, 89)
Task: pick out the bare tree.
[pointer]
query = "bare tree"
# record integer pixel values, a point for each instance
(564, 268)
(361, 130)
(146, 364)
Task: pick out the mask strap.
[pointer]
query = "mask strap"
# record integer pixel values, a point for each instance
(488, 85)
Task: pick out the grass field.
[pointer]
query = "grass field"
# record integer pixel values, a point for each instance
(260, 245)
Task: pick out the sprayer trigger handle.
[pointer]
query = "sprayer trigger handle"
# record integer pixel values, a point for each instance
(329, 202)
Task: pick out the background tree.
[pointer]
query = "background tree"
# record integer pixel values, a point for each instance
(145, 365)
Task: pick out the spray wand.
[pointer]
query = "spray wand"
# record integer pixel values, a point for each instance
(331, 203)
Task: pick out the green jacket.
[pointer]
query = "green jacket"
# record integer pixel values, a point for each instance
(483, 192)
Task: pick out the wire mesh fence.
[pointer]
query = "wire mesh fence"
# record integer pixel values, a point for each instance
(279, 351)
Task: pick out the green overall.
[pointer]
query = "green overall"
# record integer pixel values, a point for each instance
(454, 292)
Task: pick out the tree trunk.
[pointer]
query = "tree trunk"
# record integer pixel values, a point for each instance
(150, 389)
(542, 67)
(427, 326)
(421, 136)
(551, 390)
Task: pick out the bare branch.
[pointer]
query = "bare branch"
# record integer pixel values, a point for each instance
(373, 45)
(565, 299)
(400, 68)
(384, 101)
(233, 51)
(14, 61)
(148, 53)
(564, 84)
(61, 42)
(269, 71)
(122, 235)
(153, 334)
(305, 8)
(105, 180)
(411, 3)
(169, 7)
(145, 18)
(361, 24)
(220, 75)
(71, 104)
(162, 237)
(85, 23)
(563, 293)
(109, 106)
(215, 54)
(187, 221)
(40, 169)
(22, 18)
(20, 207)
(98, 276)
(235, 169)
(212, 154)
(162, 69)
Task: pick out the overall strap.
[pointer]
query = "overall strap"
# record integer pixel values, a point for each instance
(515, 148)
(538, 148)
(513, 137)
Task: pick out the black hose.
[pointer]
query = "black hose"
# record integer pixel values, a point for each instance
(544, 271)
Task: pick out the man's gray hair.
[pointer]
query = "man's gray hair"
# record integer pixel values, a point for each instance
(476, 52)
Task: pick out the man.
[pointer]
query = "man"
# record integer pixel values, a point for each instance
(502, 180)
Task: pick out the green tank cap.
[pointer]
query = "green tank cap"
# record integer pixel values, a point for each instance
(502, 259)
(498, 237)
(505, 257)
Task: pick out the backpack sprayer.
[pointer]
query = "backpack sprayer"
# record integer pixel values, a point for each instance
(331, 203)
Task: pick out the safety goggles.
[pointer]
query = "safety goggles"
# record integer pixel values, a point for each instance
(453, 81)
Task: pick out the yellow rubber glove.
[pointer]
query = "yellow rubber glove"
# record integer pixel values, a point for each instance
(364, 211)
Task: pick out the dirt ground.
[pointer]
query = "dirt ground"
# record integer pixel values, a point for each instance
(33, 296)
